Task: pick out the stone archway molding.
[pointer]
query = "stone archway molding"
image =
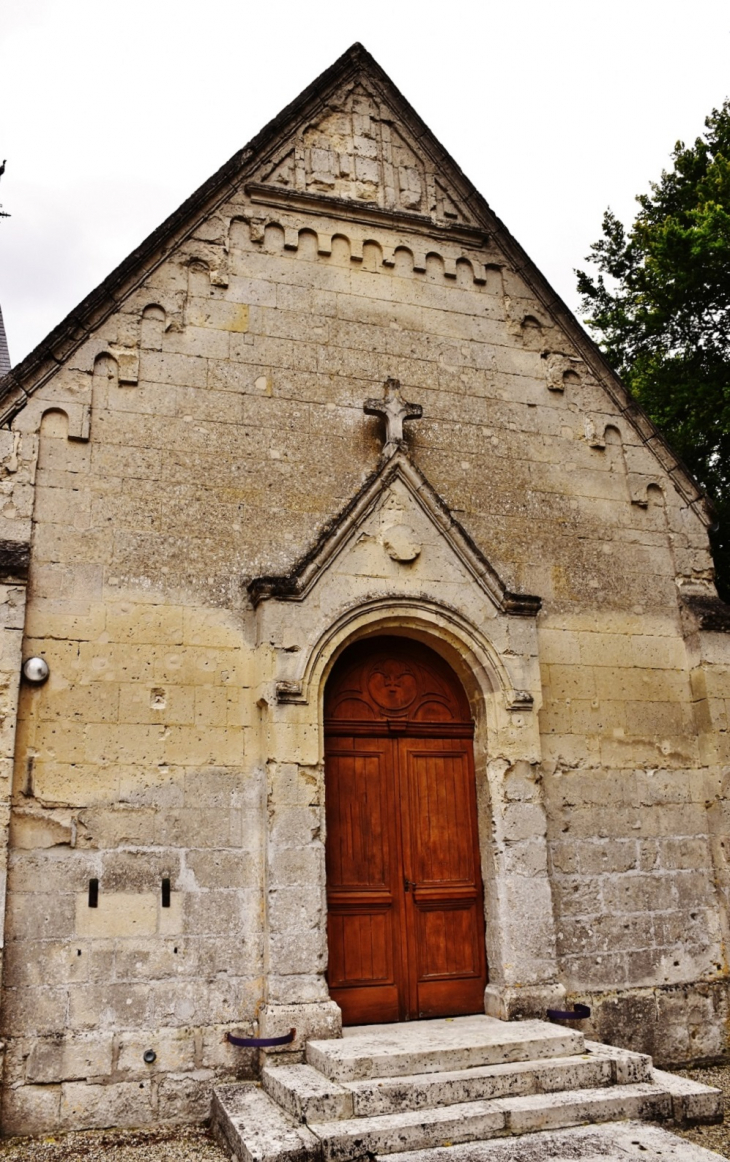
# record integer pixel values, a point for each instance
(409, 617)
(397, 562)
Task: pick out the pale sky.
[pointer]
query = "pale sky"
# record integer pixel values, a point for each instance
(113, 111)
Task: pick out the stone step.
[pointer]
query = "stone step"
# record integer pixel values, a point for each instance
(248, 1124)
(692, 1102)
(255, 1127)
(309, 1096)
(490, 1082)
(437, 1046)
(350, 1139)
(617, 1142)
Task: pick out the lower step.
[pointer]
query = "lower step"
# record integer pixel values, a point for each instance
(345, 1140)
(253, 1128)
(611, 1142)
(256, 1129)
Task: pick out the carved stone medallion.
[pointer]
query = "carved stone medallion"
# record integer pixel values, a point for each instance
(401, 544)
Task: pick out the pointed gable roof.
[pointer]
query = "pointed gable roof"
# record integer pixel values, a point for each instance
(401, 172)
(297, 584)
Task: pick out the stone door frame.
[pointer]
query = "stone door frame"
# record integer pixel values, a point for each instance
(298, 644)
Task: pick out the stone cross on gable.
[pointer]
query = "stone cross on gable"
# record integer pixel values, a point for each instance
(395, 411)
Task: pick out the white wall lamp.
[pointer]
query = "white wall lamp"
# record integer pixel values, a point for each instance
(35, 670)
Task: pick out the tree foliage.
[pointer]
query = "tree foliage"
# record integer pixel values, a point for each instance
(659, 306)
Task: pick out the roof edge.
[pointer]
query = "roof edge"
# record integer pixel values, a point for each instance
(46, 357)
(627, 404)
(67, 335)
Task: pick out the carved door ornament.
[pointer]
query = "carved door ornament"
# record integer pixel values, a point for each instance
(402, 683)
(393, 686)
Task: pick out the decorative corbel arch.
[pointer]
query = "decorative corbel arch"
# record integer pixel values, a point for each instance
(76, 411)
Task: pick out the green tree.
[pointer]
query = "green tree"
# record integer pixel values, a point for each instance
(659, 305)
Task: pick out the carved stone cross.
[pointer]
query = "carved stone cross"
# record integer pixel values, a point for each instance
(395, 410)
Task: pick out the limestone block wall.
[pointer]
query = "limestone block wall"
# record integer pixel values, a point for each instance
(18, 456)
(12, 610)
(635, 743)
(225, 401)
(130, 770)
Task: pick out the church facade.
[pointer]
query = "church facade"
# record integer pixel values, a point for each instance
(386, 676)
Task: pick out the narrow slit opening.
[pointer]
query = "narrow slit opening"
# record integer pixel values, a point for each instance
(93, 893)
(165, 892)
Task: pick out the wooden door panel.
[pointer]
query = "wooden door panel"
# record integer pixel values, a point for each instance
(361, 947)
(393, 680)
(450, 967)
(362, 967)
(404, 889)
(369, 1005)
(358, 809)
(446, 941)
(450, 998)
(447, 957)
(442, 820)
(362, 867)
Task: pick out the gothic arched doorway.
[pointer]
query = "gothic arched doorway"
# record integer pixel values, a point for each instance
(404, 886)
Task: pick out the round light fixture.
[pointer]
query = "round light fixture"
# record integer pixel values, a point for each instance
(35, 670)
(149, 1056)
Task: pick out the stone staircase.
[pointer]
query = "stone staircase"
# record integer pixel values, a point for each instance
(388, 1090)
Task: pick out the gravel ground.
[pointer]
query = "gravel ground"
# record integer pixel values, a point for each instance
(715, 1138)
(163, 1144)
(195, 1143)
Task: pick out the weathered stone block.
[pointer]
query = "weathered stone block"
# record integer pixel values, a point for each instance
(184, 1099)
(31, 1109)
(30, 964)
(40, 915)
(115, 1104)
(69, 1059)
(119, 914)
(32, 829)
(41, 1011)
(125, 872)
(224, 869)
(107, 1006)
(176, 1049)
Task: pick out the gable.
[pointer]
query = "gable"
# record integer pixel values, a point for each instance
(396, 551)
(349, 148)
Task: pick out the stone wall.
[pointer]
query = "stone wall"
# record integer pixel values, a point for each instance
(203, 434)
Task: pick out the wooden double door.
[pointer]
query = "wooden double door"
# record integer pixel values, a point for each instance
(404, 888)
